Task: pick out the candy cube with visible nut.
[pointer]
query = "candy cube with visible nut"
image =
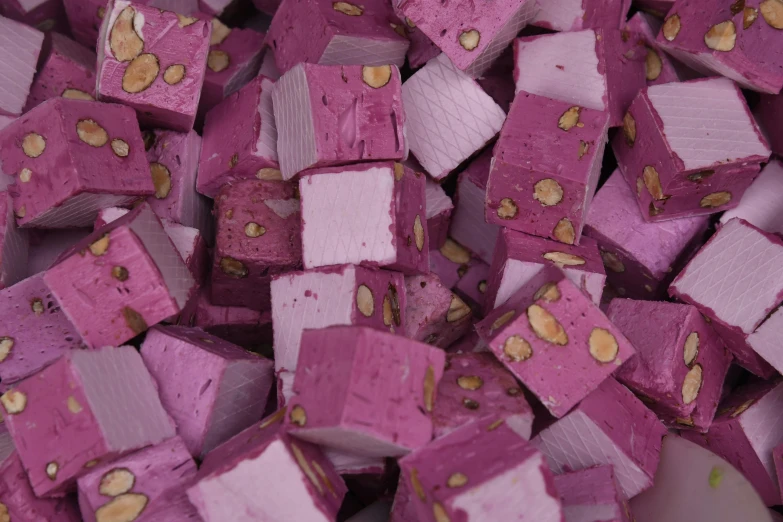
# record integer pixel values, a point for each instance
(472, 286)
(372, 213)
(659, 66)
(14, 244)
(22, 45)
(76, 413)
(681, 362)
(350, 34)
(443, 138)
(689, 148)
(71, 158)
(759, 205)
(518, 257)
(145, 486)
(485, 470)
(555, 340)
(153, 61)
(121, 279)
(640, 258)
(258, 236)
(211, 388)
(434, 315)
(592, 492)
(421, 49)
(334, 115)
(381, 394)
(570, 15)
(768, 113)
(476, 386)
(610, 426)
(439, 208)
(538, 192)
(68, 71)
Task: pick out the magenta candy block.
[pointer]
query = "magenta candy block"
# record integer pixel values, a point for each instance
(121, 279)
(154, 62)
(154, 478)
(575, 15)
(476, 386)
(742, 434)
(352, 34)
(377, 403)
(14, 245)
(591, 493)
(434, 314)
(765, 341)
(659, 66)
(640, 258)
(257, 236)
(439, 208)
(471, 474)
(268, 66)
(450, 262)
(44, 15)
(442, 139)
(683, 160)
(768, 113)
(78, 410)
(372, 214)
(681, 362)
(18, 502)
(212, 389)
(5, 121)
(333, 115)
(17, 66)
(758, 205)
(472, 286)
(71, 158)
(538, 192)
(610, 426)
(84, 19)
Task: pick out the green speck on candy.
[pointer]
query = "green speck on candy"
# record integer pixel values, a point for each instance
(716, 476)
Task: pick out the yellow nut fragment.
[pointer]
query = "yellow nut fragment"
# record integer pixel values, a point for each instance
(564, 231)
(120, 273)
(457, 309)
(218, 60)
(134, 320)
(37, 306)
(99, 247)
(653, 182)
(51, 470)
(772, 12)
(161, 179)
(305, 467)
(546, 326)
(13, 401)
(298, 415)
(671, 27)
(722, 36)
(4, 515)
(470, 382)
(508, 209)
(73, 405)
(6, 344)
(457, 480)
(503, 319)
(233, 267)
(416, 483)
(220, 32)
(569, 118)
(269, 174)
(742, 408)
(365, 301)
(716, 199)
(76, 94)
(429, 388)
(174, 74)
(124, 42)
(691, 385)
(120, 148)
(185, 21)
(469, 40)
(33, 145)
(548, 192)
(455, 252)
(253, 229)
(612, 262)
(603, 345)
(564, 258)
(275, 418)
(418, 233)
(548, 292)
(123, 508)
(376, 76)
(517, 349)
(749, 16)
(140, 73)
(347, 9)
(629, 129)
(691, 348)
(115, 482)
(25, 175)
(439, 512)
(652, 65)
(91, 133)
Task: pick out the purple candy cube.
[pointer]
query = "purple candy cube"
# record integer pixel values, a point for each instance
(14, 245)
(591, 493)
(76, 412)
(533, 190)
(450, 262)
(439, 208)
(85, 18)
(46, 246)
(472, 286)
(17, 66)
(434, 315)
(759, 205)
(659, 66)
(381, 395)
(575, 15)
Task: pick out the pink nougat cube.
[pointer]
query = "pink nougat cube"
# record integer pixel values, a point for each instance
(532, 189)
(689, 148)
(245, 479)
(681, 362)
(472, 286)
(759, 205)
(257, 236)
(482, 471)
(21, 46)
(555, 340)
(439, 208)
(575, 15)
(640, 258)
(47, 245)
(476, 386)
(434, 315)
(659, 66)
(377, 402)
(72, 158)
(240, 139)
(591, 493)
(333, 115)
(768, 113)
(68, 71)
(518, 257)
(743, 262)
(449, 116)
(351, 34)
(153, 61)
(211, 388)
(146, 486)
(610, 426)
(372, 213)
(743, 435)
(44, 15)
(121, 279)
(14, 244)
(77, 413)
(85, 18)
(480, 32)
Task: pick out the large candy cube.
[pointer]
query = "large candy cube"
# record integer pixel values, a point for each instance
(211, 388)
(434, 315)
(77, 412)
(71, 158)
(689, 148)
(439, 208)
(333, 115)
(68, 71)
(373, 213)
(759, 205)
(380, 396)
(153, 61)
(14, 244)
(592, 492)
(567, 15)
(539, 192)
(610, 426)
(17, 66)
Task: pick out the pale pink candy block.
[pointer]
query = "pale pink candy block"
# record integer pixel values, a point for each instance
(47, 245)
(14, 245)
(21, 46)
(78, 410)
(449, 116)
(575, 15)
(758, 205)
(692, 483)
(434, 315)
(439, 208)
(765, 341)
(109, 214)
(592, 494)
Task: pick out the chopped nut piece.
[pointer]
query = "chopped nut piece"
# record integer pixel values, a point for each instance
(120, 273)
(546, 326)
(365, 301)
(722, 36)
(742, 407)
(302, 461)
(749, 15)
(583, 148)
(671, 27)
(6, 344)
(772, 11)
(612, 262)
(324, 477)
(564, 231)
(220, 32)
(440, 513)
(33, 145)
(691, 348)
(639, 187)
(134, 320)
(76, 94)
(149, 139)
(715, 199)
(418, 233)
(140, 73)
(417, 487)
(185, 21)
(73, 405)
(629, 129)
(654, 211)
(470, 382)
(101, 12)
(298, 415)
(269, 174)
(91, 463)
(387, 311)
(161, 179)
(123, 508)
(116, 482)
(232, 267)
(691, 384)
(91, 133)
(51, 470)
(517, 349)
(603, 345)
(455, 252)
(548, 292)
(653, 182)
(13, 401)
(716, 477)
(457, 480)
(347, 9)
(737, 6)
(377, 77)
(399, 171)
(495, 425)
(503, 319)
(653, 65)
(569, 119)
(394, 301)
(218, 60)
(548, 192)
(21, 212)
(254, 230)
(276, 417)
(37, 306)
(233, 161)
(124, 41)
(698, 176)
(685, 421)
(457, 309)
(564, 259)
(120, 148)
(399, 29)
(174, 74)
(4, 516)
(482, 286)
(469, 40)
(507, 209)
(25, 175)
(429, 388)
(99, 247)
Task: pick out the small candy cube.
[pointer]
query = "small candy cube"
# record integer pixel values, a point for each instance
(211, 388)
(333, 115)
(76, 413)
(567, 15)
(443, 138)
(372, 213)
(439, 208)
(759, 205)
(768, 113)
(153, 61)
(682, 159)
(72, 158)
(610, 426)
(14, 244)
(22, 45)
(434, 314)
(531, 188)
(592, 492)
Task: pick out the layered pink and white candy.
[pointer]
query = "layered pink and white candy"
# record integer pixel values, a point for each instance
(68, 71)
(434, 314)
(575, 15)
(17, 67)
